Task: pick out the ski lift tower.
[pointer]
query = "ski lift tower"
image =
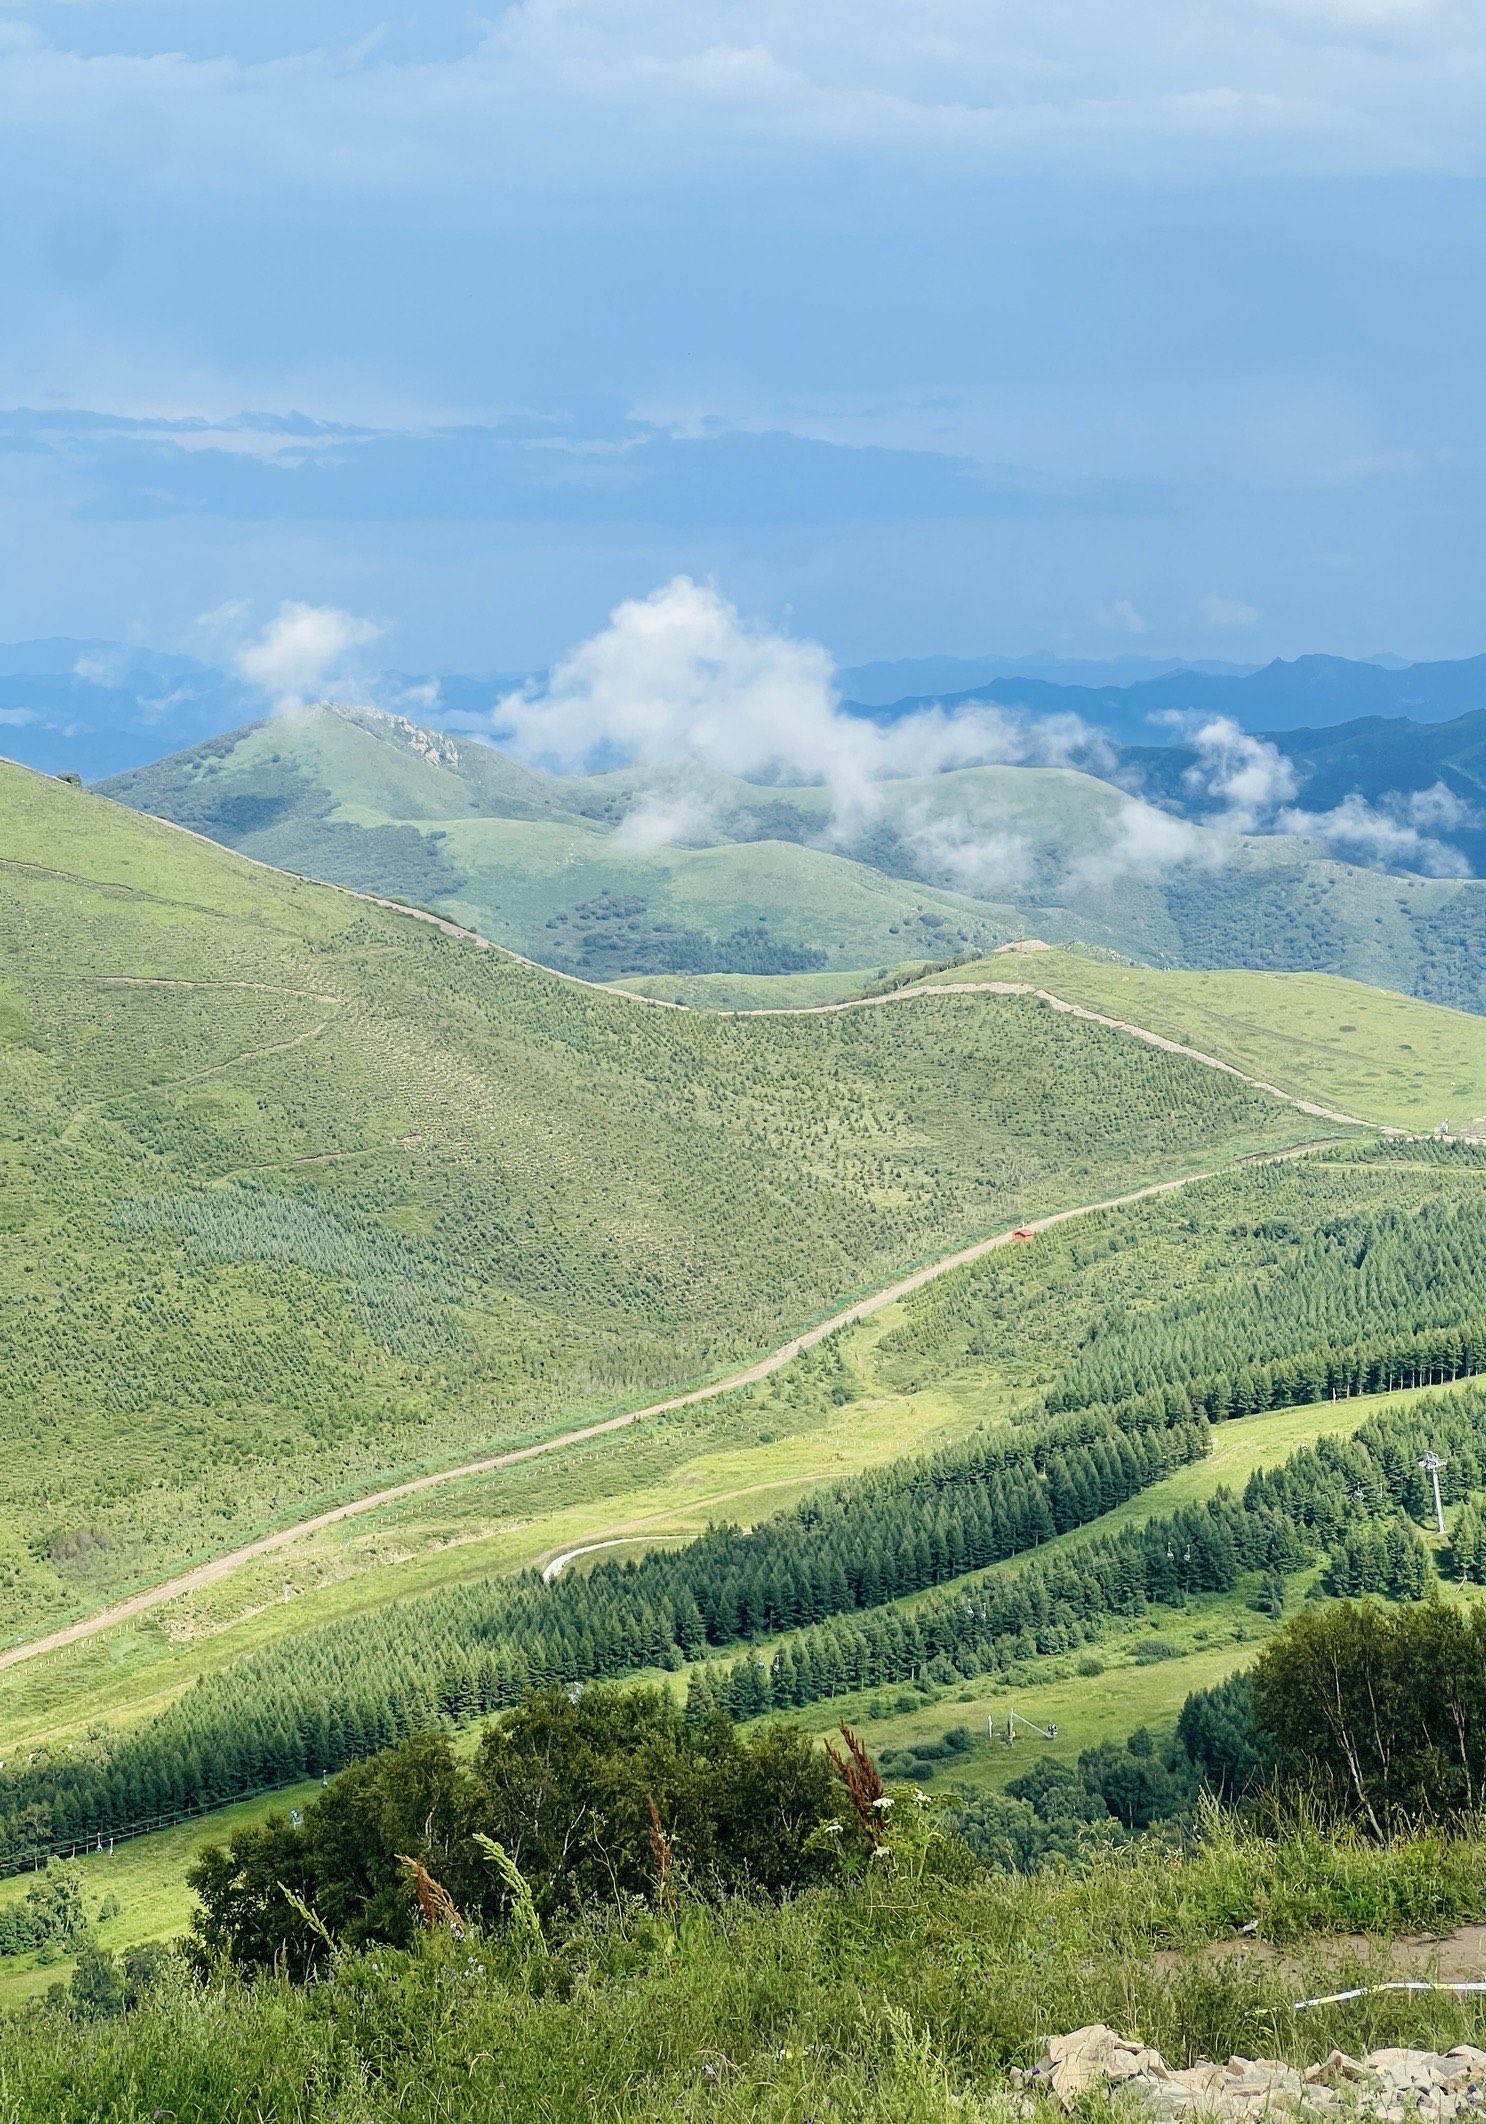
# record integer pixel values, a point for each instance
(1431, 1464)
(1016, 1718)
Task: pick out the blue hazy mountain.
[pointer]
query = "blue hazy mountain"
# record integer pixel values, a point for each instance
(884, 684)
(1307, 693)
(99, 708)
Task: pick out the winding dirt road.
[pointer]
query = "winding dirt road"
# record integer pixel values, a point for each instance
(220, 1567)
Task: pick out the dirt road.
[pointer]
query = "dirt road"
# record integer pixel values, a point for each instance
(220, 1567)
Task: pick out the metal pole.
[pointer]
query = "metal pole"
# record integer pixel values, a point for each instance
(1432, 1463)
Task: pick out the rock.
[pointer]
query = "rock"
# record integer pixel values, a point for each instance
(1092, 2057)
(1391, 2086)
(1339, 2071)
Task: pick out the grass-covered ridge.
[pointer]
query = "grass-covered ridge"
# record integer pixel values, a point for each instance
(1367, 1050)
(298, 1190)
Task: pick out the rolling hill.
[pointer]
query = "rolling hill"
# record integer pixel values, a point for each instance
(676, 872)
(299, 1190)
(1405, 1063)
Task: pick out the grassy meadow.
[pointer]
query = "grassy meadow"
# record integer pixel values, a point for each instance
(1368, 1051)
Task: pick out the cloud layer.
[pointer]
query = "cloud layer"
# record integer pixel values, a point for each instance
(1244, 784)
(680, 676)
(557, 95)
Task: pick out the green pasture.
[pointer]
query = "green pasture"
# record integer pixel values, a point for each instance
(1367, 1051)
(147, 1874)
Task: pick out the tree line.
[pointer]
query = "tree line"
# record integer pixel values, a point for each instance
(838, 1565)
(1362, 1303)
(316, 1703)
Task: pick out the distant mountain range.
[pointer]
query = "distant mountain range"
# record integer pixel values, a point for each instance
(1311, 692)
(1373, 781)
(96, 708)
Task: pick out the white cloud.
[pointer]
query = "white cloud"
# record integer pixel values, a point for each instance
(98, 670)
(1246, 776)
(1227, 612)
(18, 717)
(659, 821)
(1392, 831)
(1124, 619)
(1253, 785)
(680, 676)
(302, 651)
(1144, 840)
(1438, 806)
(956, 851)
(677, 675)
(422, 699)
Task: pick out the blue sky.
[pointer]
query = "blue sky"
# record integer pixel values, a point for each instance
(913, 325)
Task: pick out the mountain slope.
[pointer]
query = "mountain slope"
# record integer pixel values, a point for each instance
(1390, 1057)
(298, 1191)
(535, 861)
(686, 872)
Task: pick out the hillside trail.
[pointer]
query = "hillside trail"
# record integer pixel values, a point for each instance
(217, 1568)
(646, 1529)
(912, 991)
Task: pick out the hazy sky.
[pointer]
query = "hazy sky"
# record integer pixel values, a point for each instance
(913, 325)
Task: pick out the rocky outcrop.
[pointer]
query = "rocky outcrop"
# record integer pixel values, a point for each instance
(1387, 2084)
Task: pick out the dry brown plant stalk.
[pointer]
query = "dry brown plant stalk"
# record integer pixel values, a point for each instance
(863, 1785)
(434, 1899)
(661, 1852)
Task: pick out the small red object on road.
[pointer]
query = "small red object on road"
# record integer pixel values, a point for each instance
(1024, 1231)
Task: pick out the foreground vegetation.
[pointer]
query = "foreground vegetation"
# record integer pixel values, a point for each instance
(903, 2001)
(617, 1911)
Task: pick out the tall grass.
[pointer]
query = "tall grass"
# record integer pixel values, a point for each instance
(899, 2001)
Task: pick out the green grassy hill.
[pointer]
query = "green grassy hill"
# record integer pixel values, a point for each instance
(298, 1191)
(1364, 1050)
(684, 872)
(537, 862)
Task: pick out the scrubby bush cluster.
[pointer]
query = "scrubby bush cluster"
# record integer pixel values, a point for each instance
(604, 1797)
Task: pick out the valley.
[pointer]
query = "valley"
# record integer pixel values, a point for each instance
(380, 1184)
